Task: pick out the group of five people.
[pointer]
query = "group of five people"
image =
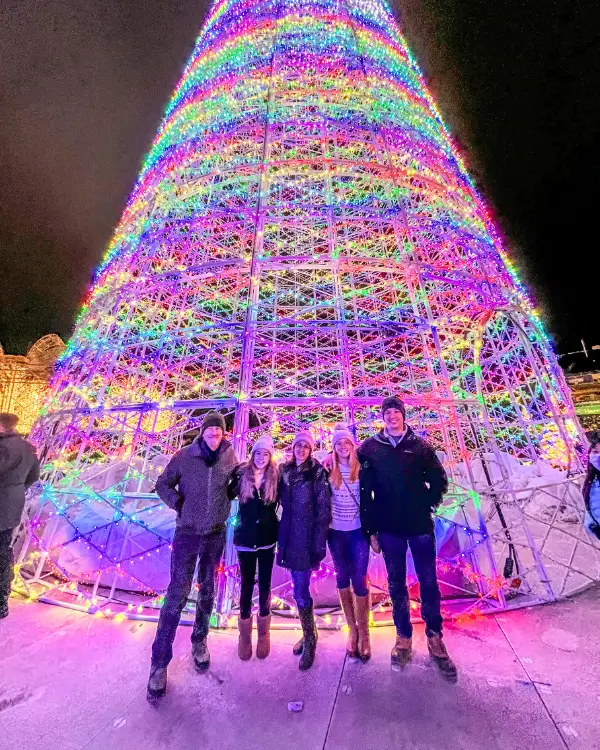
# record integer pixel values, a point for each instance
(380, 495)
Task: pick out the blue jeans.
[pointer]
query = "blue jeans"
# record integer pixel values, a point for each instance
(394, 549)
(188, 548)
(301, 581)
(350, 553)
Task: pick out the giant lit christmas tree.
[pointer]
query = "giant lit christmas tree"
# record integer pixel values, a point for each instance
(303, 239)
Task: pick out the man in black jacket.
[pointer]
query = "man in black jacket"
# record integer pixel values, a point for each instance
(194, 484)
(19, 469)
(402, 483)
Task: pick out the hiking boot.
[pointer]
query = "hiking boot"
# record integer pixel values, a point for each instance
(439, 654)
(263, 644)
(402, 652)
(157, 683)
(245, 639)
(309, 645)
(347, 601)
(201, 656)
(363, 610)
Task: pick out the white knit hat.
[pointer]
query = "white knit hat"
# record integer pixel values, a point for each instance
(304, 436)
(341, 432)
(264, 443)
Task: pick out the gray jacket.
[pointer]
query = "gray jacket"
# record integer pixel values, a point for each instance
(194, 483)
(19, 469)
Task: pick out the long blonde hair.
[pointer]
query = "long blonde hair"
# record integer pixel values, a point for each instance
(335, 477)
(269, 483)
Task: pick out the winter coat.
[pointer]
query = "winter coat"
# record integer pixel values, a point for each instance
(591, 494)
(400, 486)
(305, 497)
(194, 483)
(256, 523)
(19, 469)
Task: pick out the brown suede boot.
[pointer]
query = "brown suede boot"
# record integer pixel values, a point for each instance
(263, 645)
(402, 651)
(363, 611)
(347, 602)
(439, 654)
(245, 639)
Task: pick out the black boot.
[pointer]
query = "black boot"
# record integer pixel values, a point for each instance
(309, 645)
(157, 683)
(201, 656)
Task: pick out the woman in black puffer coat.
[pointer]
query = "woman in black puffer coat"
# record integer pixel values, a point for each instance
(305, 497)
(255, 485)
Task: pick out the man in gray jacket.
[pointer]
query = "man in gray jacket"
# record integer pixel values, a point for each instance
(19, 469)
(194, 484)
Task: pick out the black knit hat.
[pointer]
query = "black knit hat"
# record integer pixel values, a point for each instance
(393, 402)
(212, 419)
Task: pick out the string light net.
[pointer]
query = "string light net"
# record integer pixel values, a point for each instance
(303, 240)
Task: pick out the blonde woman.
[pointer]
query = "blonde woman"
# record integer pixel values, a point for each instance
(254, 483)
(348, 543)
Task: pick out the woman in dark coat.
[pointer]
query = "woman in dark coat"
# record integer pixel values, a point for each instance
(305, 498)
(255, 485)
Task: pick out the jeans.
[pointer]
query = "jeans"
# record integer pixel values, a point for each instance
(188, 548)
(6, 565)
(350, 553)
(248, 561)
(301, 581)
(394, 549)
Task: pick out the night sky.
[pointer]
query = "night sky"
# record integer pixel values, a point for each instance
(83, 86)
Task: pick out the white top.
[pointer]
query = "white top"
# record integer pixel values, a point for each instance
(345, 503)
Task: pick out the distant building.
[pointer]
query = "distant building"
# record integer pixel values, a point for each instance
(585, 388)
(24, 379)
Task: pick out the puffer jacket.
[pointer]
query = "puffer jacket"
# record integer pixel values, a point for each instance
(194, 484)
(305, 497)
(400, 486)
(19, 469)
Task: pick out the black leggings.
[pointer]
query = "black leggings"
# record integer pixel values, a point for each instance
(248, 560)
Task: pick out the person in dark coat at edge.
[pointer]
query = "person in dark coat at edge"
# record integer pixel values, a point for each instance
(19, 469)
(305, 497)
(402, 483)
(254, 483)
(194, 484)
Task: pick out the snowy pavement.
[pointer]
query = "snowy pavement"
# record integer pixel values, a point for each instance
(528, 679)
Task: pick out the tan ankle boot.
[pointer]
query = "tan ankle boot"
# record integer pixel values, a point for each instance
(402, 651)
(245, 639)
(439, 654)
(363, 612)
(347, 602)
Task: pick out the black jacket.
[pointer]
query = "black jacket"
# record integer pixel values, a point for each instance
(400, 486)
(194, 484)
(19, 469)
(305, 497)
(256, 523)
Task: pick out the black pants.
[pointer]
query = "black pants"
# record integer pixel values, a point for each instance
(248, 561)
(394, 550)
(6, 565)
(188, 548)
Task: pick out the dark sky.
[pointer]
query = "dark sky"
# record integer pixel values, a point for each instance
(83, 86)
